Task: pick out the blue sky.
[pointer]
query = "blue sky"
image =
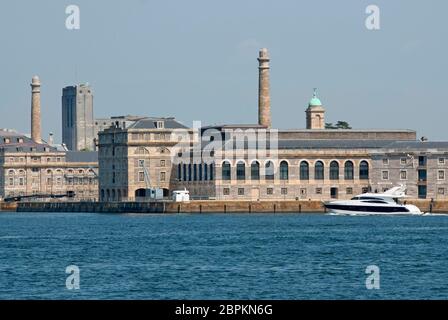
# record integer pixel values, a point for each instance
(196, 60)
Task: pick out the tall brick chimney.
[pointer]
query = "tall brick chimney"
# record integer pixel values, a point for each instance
(35, 110)
(264, 99)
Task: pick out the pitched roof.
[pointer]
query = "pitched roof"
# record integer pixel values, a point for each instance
(151, 123)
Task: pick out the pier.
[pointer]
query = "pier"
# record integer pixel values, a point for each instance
(196, 206)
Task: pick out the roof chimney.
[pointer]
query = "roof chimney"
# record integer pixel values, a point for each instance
(264, 99)
(35, 110)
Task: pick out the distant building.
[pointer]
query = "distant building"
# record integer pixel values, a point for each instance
(78, 132)
(138, 157)
(312, 163)
(315, 113)
(30, 166)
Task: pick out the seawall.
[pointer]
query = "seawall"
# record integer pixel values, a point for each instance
(197, 206)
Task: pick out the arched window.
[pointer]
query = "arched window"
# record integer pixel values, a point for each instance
(195, 172)
(189, 172)
(304, 170)
(184, 172)
(179, 171)
(241, 171)
(205, 172)
(119, 195)
(269, 170)
(255, 170)
(108, 194)
(113, 195)
(284, 170)
(102, 194)
(348, 170)
(200, 172)
(226, 175)
(319, 170)
(364, 170)
(334, 170)
(212, 171)
(11, 172)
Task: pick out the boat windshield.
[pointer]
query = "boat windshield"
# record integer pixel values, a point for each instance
(368, 198)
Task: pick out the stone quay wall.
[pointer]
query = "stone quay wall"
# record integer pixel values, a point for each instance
(199, 206)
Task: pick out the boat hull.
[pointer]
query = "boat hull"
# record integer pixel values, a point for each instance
(372, 210)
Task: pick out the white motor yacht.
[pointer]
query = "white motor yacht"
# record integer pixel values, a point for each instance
(374, 203)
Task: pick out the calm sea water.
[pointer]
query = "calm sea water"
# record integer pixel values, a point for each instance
(218, 256)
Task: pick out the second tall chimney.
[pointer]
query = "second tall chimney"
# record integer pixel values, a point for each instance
(264, 99)
(35, 110)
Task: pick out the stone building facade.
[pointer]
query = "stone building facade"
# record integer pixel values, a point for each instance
(138, 157)
(321, 170)
(35, 169)
(296, 164)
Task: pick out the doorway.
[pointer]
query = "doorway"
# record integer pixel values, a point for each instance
(334, 193)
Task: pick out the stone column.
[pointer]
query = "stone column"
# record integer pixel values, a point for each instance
(264, 99)
(35, 110)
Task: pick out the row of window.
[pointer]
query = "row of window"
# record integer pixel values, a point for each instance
(21, 181)
(141, 176)
(34, 159)
(318, 191)
(150, 136)
(284, 191)
(12, 172)
(422, 161)
(422, 175)
(304, 170)
(196, 172)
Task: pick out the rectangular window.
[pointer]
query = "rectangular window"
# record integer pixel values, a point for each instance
(403, 161)
(441, 160)
(318, 190)
(422, 175)
(21, 182)
(241, 191)
(422, 160)
(162, 163)
(441, 175)
(441, 191)
(284, 191)
(385, 175)
(162, 176)
(349, 190)
(226, 191)
(270, 191)
(11, 181)
(141, 176)
(403, 175)
(385, 161)
(35, 169)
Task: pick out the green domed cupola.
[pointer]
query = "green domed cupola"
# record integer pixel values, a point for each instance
(315, 100)
(315, 113)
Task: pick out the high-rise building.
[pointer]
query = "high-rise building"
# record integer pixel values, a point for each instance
(78, 131)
